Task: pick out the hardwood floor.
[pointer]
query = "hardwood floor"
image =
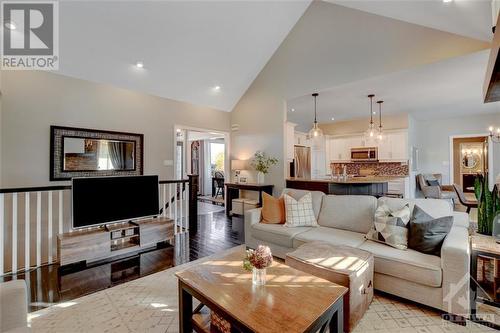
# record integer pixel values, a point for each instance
(48, 286)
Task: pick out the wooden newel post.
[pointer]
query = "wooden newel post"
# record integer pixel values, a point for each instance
(193, 202)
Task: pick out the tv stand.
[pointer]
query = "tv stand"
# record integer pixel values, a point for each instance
(113, 240)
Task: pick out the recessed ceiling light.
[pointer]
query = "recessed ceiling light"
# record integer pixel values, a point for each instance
(10, 25)
(333, 118)
(446, 1)
(217, 88)
(139, 64)
(293, 110)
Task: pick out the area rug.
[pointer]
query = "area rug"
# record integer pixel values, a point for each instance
(149, 304)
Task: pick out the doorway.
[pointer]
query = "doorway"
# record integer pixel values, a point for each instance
(205, 153)
(470, 158)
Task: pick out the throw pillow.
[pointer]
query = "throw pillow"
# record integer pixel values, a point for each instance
(391, 227)
(299, 213)
(433, 182)
(427, 233)
(273, 209)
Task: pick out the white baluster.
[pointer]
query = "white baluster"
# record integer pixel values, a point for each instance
(2, 207)
(61, 211)
(170, 200)
(14, 233)
(181, 196)
(49, 228)
(175, 204)
(164, 199)
(27, 219)
(186, 201)
(38, 228)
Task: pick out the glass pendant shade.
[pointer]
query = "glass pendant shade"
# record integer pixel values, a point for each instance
(317, 138)
(315, 132)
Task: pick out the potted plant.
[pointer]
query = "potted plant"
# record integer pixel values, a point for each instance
(488, 205)
(261, 162)
(257, 261)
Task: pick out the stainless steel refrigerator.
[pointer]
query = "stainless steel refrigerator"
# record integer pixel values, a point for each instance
(302, 162)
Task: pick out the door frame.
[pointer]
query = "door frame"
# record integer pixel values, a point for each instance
(491, 180)
(227, 143)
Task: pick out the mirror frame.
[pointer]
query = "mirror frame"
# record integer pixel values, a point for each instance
(57, 133)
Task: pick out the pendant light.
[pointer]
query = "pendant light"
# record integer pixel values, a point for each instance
(371, 131)
(316, 134)
(380, 134)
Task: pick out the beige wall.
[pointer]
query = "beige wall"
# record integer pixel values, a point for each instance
(316, 55)
(360, 125)
(432, 138)
(32, 101)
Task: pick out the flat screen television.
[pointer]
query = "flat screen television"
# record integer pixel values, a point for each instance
(101, 200)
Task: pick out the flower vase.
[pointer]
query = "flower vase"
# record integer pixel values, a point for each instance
(259, 276)
(260, 178)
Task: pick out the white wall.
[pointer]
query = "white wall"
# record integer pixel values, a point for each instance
(32, 101)
(432, 137)
(318, 54)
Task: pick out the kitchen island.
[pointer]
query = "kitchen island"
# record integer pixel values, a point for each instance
(369, 185)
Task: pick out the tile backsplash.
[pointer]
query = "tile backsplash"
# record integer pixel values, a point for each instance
(376, 169)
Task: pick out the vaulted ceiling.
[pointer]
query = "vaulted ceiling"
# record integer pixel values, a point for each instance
(187, 47)
(190, 47)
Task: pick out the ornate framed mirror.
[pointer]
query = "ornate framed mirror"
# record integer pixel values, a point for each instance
(81, 152)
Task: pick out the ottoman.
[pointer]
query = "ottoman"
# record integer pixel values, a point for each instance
(344, 265)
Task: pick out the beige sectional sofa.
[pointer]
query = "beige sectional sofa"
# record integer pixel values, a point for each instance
(439, 282)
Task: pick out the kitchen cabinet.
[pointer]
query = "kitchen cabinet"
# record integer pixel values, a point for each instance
(301, 139)
(328, 155)
(290, 140)
(394, 148)
(399, 186)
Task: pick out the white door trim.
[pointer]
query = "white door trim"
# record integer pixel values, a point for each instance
(227, 143)
(491, 180)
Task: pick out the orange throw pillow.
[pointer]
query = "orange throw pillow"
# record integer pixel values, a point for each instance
(273, 210)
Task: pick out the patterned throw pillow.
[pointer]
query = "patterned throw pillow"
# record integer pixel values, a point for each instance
(390, 227)
(299, 213)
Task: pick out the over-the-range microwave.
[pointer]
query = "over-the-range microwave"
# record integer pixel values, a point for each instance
(365, 154)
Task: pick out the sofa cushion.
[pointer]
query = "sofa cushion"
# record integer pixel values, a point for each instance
(405, 264)
(434, 207)
(317, 198)
(277, 233)
(391, 227)
(299, 213)
(427, 233)
(348, 212)
(329, 235)
(273, 209)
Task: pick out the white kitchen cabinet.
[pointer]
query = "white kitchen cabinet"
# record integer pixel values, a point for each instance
(400, 186)
(301, 139)
(394, 147)
(318, 169)
(399, 145)
(290, 140)
(328, 156)
(340, 149)
(355, 141)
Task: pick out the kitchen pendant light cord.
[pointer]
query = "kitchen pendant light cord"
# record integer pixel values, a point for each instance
(315, 95)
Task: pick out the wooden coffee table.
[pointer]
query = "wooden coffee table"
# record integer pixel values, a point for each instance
(291, 300)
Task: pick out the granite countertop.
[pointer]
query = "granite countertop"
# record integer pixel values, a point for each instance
(352, 180)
